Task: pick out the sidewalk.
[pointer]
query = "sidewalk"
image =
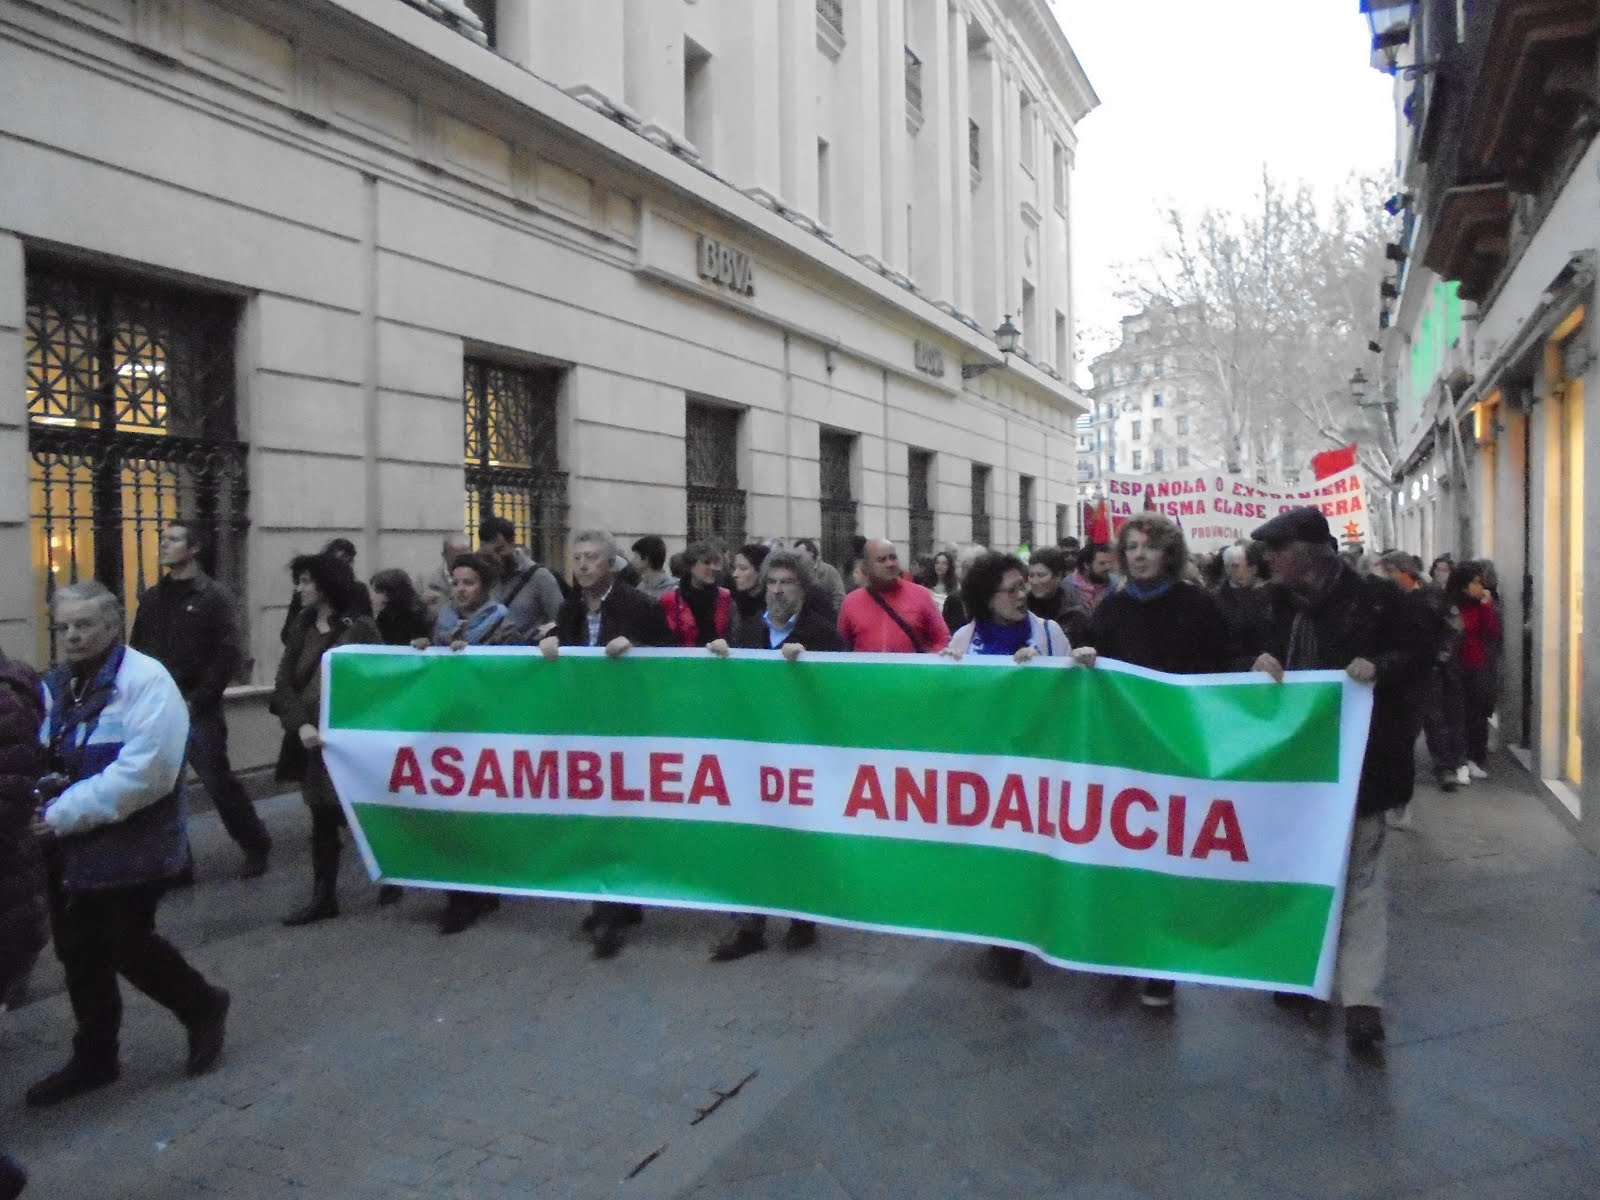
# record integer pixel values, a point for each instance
(369, 1057)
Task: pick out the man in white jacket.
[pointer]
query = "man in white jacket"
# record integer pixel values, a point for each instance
(112, 822)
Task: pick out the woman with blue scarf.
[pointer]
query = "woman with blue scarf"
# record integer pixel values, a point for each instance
(994, 592)
(470, 619)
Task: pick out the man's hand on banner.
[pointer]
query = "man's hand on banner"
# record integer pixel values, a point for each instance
(1268, 665)
(1362, 670)
(1084, 656)
(719, 647)
(550, 647)
(617, 647)
(310, 738)
(791, 650)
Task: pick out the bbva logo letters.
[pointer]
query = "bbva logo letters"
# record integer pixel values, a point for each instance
(727, 266)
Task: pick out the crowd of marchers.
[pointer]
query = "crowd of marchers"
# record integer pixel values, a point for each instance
(92, 755)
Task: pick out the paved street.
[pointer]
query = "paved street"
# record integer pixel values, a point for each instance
(368, 1057)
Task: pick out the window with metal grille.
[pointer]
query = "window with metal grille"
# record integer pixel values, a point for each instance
(715, 499)
(1062, 530)
(839, 507)
(982, 529)
(1025, 531)
(919, 500)
(131, 427)
(511, 460)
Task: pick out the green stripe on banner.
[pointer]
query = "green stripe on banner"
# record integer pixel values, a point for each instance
(1117, 917)
(1287, 733)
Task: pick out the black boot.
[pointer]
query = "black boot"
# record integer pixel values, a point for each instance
(324, 903)
(12, 1177)
(206, 1036)
(461, 911)
(80, 1075)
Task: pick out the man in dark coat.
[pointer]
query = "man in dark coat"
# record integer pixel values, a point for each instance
(605, 612)
(1324, 616)
(186, 622)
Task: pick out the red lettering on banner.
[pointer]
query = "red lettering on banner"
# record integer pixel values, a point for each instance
(406, 772)
(708, 782)
(955, 783)
(1083, 834)
(1175, 811)
(771, 785)
(583, 776)
(1046, 827)
(1220, 833)
(866, 793)
(800, 781)
(1120, 832)
(448, 779)
(531, 783)
(1012, 806)
(666, 771)
(619, 784)
(487, 777)
(908, 796)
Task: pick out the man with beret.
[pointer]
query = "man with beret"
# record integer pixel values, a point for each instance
(1324, 616)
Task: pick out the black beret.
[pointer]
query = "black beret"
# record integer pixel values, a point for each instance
(1296, 525)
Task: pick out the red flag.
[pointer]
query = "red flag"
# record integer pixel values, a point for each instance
(1100, 525)
(1149, 499)
(1331, 462)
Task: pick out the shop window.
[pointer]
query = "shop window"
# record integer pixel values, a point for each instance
(982, 528)
(839, 506)
(512, 468)
(716, 502)
(1025, 530)
(919, 499)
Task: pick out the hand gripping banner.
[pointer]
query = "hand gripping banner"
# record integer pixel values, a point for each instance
(1109, 818)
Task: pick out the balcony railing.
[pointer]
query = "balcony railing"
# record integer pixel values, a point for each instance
(913, 84)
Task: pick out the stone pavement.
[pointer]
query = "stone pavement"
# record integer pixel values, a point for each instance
(369, 1057)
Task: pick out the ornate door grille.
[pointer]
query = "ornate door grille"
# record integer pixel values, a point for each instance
(919, 499)
(982, 529)
(839, 507)
(131, 426)
(716, 502)
(512, 465)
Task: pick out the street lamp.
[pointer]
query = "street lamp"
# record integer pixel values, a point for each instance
(1359, 386)
(1005, 340)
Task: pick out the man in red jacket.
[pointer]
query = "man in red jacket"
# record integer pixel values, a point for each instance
(890, 615)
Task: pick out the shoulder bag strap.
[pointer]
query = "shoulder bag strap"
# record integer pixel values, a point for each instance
(916, 642)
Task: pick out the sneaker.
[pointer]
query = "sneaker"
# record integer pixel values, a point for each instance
(801, 935)
(1474, 771)
(1363, 1027)
(1157, 993)
(205, 1039)
(738, 944)
(74, 1079)
(1463, 776)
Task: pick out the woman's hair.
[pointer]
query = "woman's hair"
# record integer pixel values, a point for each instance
(982, 580)
(755, 553)
(699, 552)
(949, 556)
(1162, 533)
(483, 566)
(1051, 559)
(397, 586)
(1461, 575)
(335, 580)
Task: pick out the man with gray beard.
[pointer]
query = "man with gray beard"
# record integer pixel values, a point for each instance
(790, 627)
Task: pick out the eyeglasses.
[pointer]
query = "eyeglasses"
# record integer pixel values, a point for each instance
(1016, 589)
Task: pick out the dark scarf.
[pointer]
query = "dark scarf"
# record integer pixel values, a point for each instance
(702, 602)
(1304, 653)
(1145, 594)
(994, 637)
(750, 604)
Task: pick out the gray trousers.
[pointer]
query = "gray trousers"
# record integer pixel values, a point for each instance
(1364, 928)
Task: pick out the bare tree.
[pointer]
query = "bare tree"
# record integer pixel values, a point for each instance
(1272, 310)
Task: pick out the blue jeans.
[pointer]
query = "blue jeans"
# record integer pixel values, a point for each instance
(208, 755)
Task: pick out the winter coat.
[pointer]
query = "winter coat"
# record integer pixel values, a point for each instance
(1180, 631)
(625, 612)
(532, 596)
(681, 621)
(190, 626)
(22, 906)
(814, 629)
(1046, 637)
(122, 742)
(297, 695)
(1367, 617)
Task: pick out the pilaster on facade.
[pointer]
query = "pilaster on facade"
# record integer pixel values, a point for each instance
(894, 97)
(654, 71)
(857, 152)
(577, 47)
(798, 72)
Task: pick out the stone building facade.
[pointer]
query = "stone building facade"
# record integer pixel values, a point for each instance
(371, 269)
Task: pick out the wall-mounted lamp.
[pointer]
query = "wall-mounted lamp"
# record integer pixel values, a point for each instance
(1394, 252)
(1396, 203)
(1375, 347)
(1006, 338)
(1388, 291)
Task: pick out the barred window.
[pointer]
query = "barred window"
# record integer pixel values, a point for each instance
(919, 496)
(131, 426)
(512, 467)
(982, 530)
(1025, 530)
(839, 507)
(716, 502)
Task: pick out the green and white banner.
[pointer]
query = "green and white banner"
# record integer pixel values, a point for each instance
(1112, 819)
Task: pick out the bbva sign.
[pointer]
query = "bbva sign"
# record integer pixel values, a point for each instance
(727, 266)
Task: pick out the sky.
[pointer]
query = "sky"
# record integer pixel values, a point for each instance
(1195, 98)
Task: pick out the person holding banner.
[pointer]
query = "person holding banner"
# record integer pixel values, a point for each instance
(1048, 595)
(333, 612)
(995, 592)
(601, 613)
(789, 625)
(1159, 620)
(1325, 616)
(890, 615)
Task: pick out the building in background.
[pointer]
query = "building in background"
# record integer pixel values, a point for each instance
(1490, 340)
(1149, 414)
(374, 269)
